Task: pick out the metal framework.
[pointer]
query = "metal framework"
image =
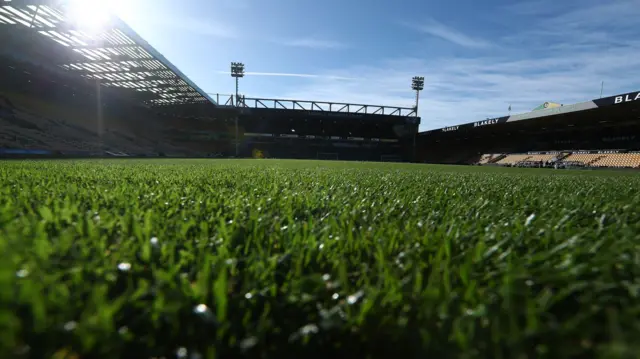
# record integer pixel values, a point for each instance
(318, 106)
(114, 57)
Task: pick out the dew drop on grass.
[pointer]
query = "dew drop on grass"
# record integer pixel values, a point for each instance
(154, 241)
(530, 219)
(248, 343)
(353, 298)
(201, 309)
(124, 266)
(182, 352)
(230, 261)
(321, 246)
(309, 329)
(22, 273)
(248, 295)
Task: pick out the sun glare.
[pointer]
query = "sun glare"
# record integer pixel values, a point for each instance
(91, 15)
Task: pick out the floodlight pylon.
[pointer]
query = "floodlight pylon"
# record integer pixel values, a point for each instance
(237, 71)
(417, 84)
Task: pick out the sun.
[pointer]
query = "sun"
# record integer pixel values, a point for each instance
(91, 15)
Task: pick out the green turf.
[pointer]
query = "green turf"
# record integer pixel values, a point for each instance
(219, 258)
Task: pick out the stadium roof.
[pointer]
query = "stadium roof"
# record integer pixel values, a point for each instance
(317, 106)
(115, 55)
(552, 111)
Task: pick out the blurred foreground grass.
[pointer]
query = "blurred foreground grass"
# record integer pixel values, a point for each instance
(204, 259)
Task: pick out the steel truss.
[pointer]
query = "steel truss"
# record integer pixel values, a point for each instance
(316, 106)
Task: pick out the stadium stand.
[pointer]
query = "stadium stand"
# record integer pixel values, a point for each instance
(618, 160)
(513, 159)
(39, 113)
(64, 91)
(327, 135)
(70, 92)
(531, 159)
(489, 158)
(602, 133)
(541, 158)
(585, 159)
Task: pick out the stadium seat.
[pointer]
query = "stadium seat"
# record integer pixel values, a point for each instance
(488, 158)
(542, 158)
(585, 158)
(618, 160)
(513, 159)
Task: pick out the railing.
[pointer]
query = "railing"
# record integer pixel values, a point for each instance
(319, 106)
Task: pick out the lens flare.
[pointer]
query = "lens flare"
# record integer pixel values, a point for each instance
(91, 15)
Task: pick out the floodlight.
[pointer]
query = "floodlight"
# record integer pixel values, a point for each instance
(237, 69)
(417, 83)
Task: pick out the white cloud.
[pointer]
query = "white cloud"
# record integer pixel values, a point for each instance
(312, 43)
(440, 30)
(563, 59)
(286, 74)
(283, 74)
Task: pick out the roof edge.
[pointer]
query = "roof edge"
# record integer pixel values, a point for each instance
(581, 106)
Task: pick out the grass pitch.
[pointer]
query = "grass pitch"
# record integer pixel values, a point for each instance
(207, 258)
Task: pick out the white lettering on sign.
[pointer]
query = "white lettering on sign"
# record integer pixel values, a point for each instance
(627, 98)
(452, 128)
(485, 123)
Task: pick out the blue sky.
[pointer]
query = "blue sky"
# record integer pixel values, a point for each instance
(478, 57)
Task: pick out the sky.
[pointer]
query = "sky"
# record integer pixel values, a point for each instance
(477, 57)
